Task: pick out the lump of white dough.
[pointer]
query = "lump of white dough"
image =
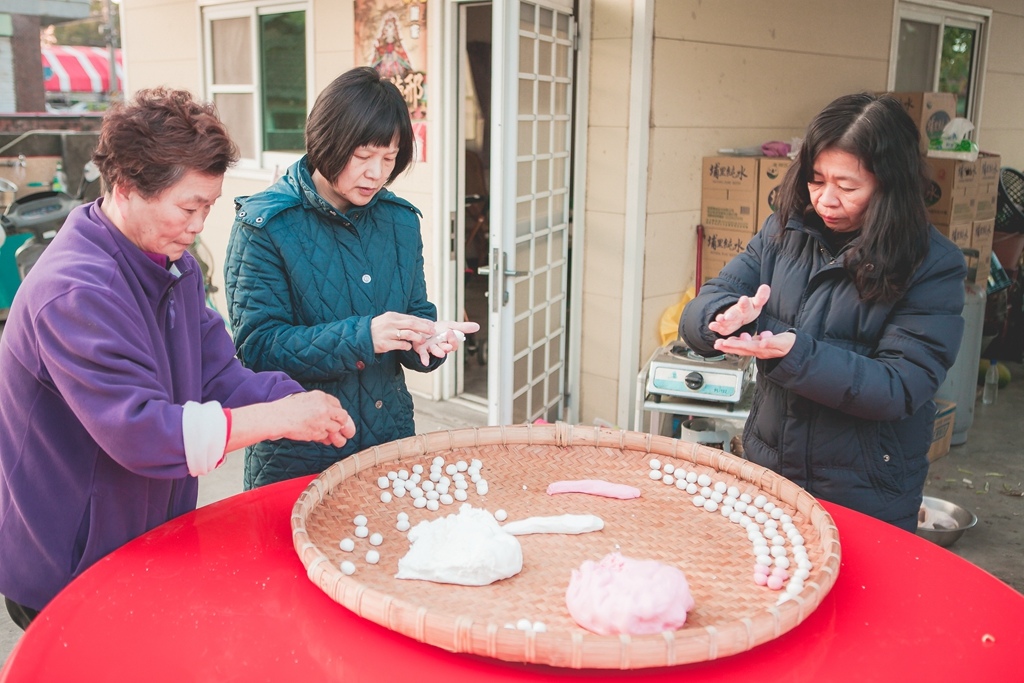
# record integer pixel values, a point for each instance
(622, 595)
(468, 549)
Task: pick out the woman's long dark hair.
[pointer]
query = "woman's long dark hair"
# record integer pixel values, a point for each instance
(894, 236)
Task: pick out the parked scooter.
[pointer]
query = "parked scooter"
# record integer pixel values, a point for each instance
(42, 214)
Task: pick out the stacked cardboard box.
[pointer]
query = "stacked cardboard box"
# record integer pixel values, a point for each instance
(961, 199)
(931, 112)
(737, 196)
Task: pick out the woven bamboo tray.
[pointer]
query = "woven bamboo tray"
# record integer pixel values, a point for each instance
(732, 612)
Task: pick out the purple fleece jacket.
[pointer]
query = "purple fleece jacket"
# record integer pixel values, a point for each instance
(101, 350)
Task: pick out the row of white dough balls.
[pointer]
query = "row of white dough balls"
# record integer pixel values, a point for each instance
(750, 512)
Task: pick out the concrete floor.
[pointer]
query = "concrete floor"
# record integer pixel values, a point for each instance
(985, 474)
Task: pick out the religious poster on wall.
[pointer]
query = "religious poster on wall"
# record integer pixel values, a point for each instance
(391, 36)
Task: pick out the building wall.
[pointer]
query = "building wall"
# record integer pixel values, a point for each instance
(158, 52)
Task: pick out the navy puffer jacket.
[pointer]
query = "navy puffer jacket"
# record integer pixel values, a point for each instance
(847, 413)
(303, 283)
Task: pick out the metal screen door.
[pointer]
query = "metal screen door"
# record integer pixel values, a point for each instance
(530, 178)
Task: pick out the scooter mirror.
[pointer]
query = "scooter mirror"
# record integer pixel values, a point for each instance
(91, 171)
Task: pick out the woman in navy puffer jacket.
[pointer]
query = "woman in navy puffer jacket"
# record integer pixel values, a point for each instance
(324, 276)
(850, 302)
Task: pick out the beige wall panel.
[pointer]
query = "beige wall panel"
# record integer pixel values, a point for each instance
(602, 254)
(611, 19)
(328, 65)
(181, 73)
(602, 316)
(333, 24)
(609, 85)
(1011, 7)
(1003, 106)
(1005, 52)
(606, 169)
(670, 253)
(1008, 144)
(730, 87)
(421, 384)
(598, 398)
(858, 29)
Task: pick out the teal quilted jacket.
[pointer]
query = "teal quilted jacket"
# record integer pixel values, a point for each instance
(303, 282)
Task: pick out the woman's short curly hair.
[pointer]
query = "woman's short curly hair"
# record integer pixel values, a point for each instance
(149, 142)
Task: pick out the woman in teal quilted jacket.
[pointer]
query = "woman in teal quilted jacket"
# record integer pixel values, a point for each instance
(324, 276)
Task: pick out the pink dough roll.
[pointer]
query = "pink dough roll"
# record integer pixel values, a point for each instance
(594, 487)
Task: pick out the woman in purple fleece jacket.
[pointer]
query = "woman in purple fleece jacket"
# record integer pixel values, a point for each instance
(120, 387)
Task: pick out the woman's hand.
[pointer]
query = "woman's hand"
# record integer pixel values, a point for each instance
(399, 332)
(307, 416)
(743, 312)
(445, 340)
(765, 345)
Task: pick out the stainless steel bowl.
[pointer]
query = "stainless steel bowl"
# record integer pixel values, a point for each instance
(964, 518)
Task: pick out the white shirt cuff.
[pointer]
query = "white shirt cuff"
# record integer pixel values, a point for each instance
(205, 431)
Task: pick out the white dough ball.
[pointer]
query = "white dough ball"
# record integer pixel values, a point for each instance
(735, 517)
(403, 474)
(461, 495)
(740, 506)
(432, 505)
(721, 487)
(417, 469)
(446, 499)
(427, 486)
(539, 626)
(706, 491)
(461, 466)
(704, 480)
(432, 495)
(362, 532)
(347, 544)
(667, 479)
(655, 475)
(668, 468)
(383, 482)
(681, 483)
(760, 501)
(402, 515)
(500, 515)
(691, 477)
(524, 625)
(360, 520)
(710, 505)
(450, 469)
(733, 492)
(415, 478)
(392, 475)
(655, 464)
(372, 556)
(716, 496)
(385, 496)
(376, 539)
(347, 568)
(698, 501)
(400, 492)
(435, 475)
(402, 525)
(746, 498)
(691, 488)
(481, 487)
(420, 502)
(438, 461)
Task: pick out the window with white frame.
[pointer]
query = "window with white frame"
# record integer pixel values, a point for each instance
(255, 72)
(941, 46)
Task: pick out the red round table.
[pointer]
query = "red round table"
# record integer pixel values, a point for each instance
(219, 594)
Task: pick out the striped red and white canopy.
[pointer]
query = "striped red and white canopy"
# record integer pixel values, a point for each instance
(79, 69)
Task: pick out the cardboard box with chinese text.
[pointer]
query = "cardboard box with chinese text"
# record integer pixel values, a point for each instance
(931, 111)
